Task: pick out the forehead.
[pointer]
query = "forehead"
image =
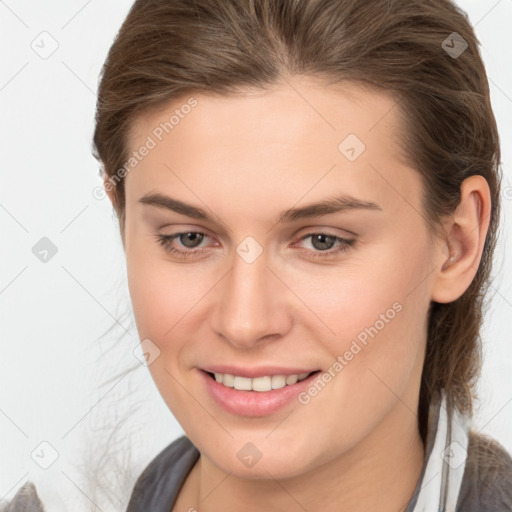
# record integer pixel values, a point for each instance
(289, 108)
(285, 137)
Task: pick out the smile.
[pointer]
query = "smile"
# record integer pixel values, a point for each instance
(255, 396)
(260, 384)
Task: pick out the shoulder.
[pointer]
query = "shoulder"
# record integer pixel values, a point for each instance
(159, 483)
(25, 500)
(155, 489)
(487, 481)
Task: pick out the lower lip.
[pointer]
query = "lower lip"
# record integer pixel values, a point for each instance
(254, 403)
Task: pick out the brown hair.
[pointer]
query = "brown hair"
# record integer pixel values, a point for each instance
(167, 49)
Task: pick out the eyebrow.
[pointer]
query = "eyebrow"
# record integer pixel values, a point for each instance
(328, 206)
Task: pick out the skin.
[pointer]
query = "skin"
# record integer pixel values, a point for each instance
(355, 446)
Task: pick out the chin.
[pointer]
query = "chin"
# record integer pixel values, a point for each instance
(264, 454)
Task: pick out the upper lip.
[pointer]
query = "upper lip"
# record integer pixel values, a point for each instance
(260, 371)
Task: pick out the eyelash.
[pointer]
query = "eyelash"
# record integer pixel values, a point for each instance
(346, 244)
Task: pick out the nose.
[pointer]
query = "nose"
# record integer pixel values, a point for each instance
(251, 304)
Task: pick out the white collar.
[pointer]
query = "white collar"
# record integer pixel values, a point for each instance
(443, 474)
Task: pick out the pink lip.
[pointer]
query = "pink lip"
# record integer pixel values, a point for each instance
(254, 403)
(261, 371)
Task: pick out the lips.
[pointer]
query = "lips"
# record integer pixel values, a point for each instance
(252, 403)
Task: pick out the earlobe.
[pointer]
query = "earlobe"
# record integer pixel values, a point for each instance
(466, 232)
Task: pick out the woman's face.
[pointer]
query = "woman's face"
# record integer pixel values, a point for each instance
(274, 286)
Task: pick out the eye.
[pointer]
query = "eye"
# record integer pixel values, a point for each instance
(323, 244)
(189, 239)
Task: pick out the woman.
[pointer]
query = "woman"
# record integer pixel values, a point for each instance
(308, 200)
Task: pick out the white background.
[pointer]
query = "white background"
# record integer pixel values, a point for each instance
(53, 315)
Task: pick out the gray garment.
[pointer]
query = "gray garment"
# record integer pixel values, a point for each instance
(25, 500)
(486, 486)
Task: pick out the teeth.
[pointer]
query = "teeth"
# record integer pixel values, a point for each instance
(261, 384)
(243, 383)
(278, 381)
(292, 379)
(227, 380)
(258, 383)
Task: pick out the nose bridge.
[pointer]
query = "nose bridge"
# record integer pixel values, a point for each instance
(248, 308)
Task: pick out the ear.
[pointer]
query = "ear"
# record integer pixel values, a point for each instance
(459, 256)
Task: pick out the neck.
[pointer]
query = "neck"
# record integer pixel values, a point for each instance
(380, 473)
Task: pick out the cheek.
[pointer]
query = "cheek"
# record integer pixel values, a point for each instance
(163, 299)
(348, 298)
(161, 292)
(370, 318)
